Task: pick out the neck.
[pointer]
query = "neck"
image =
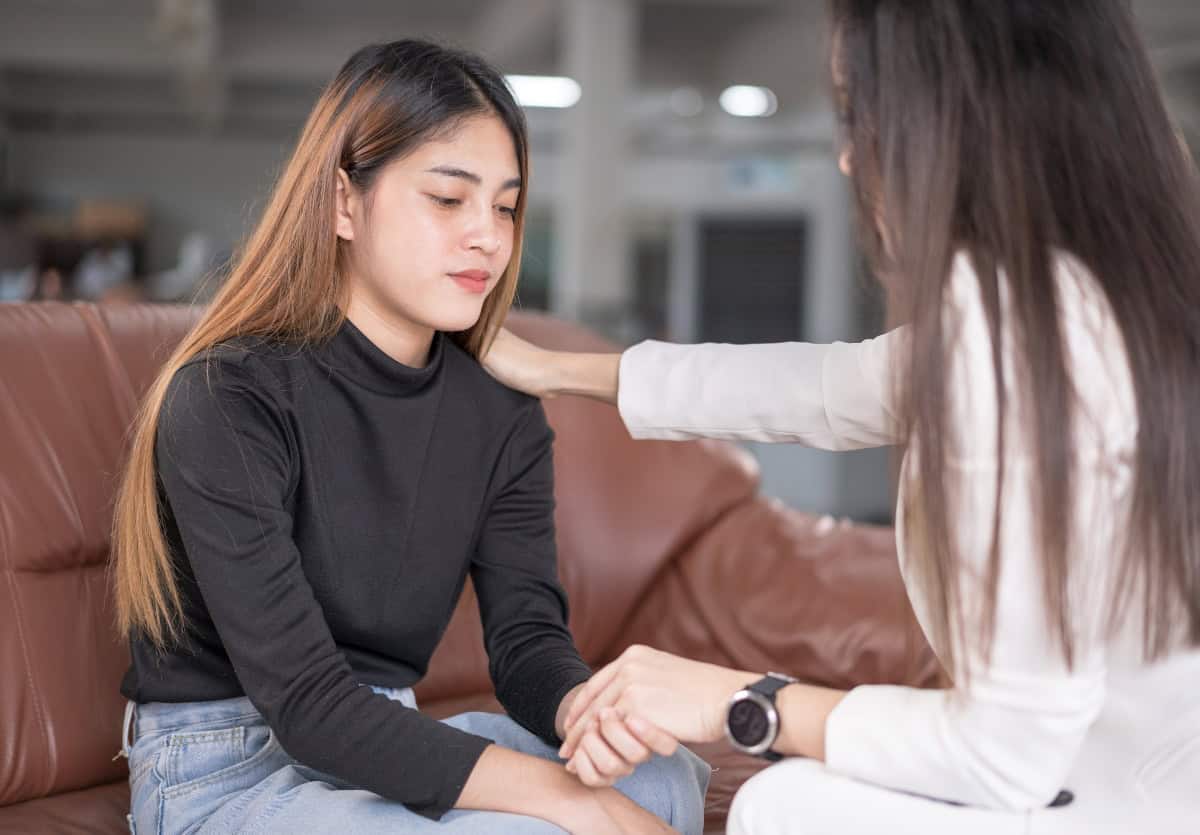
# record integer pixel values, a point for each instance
(404, 341)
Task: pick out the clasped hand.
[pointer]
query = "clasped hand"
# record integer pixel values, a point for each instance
(644, 703)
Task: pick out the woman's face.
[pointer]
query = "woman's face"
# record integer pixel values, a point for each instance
(436, 234)
(845, 150)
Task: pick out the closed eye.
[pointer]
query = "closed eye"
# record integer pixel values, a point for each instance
(508, 210)
(446, 202)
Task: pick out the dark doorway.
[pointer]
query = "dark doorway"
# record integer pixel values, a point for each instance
(752, 275)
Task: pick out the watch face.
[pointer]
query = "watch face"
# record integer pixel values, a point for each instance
(748, 724)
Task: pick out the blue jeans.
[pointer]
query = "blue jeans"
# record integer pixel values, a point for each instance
(216, 768)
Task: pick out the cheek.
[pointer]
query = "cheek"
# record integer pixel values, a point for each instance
(508, 242)
(409, 238)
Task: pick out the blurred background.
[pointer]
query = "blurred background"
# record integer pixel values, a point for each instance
(684, 177)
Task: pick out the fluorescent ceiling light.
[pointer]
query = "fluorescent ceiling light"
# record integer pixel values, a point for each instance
(744, 100)
(544, 90)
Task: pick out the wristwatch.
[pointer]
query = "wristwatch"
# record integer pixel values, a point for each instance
(752, 722)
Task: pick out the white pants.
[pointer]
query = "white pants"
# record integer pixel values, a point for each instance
(801, 797)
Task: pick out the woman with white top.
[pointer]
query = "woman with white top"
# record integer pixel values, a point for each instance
(1035, 222)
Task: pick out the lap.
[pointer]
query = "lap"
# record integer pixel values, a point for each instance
(263, 790)
(672, 788)
(296, 799)
(802, 797)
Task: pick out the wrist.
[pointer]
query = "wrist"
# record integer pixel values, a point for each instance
(735, 680)
(557, 375)
(571, 802)
(804, 711)
(564, 707)
(587, 375)
(504, 780)
(753, 723)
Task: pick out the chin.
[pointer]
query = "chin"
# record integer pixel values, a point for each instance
(453, 321)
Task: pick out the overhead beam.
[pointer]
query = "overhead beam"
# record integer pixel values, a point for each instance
(113, 43)
(508, 31)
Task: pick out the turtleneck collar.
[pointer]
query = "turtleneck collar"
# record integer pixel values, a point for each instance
(353, 355)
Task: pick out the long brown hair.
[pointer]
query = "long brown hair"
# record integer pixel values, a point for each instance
(1007, 130)
(290, 282)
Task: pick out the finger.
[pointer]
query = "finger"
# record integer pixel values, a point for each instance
(653, 737)
(571, 742)
(620, 739)
(609, 764)
(587, 723)
(588, 692)
(602, 699)
(586, 771)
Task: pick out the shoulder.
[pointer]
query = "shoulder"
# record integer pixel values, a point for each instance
(1093, 351)
(215, 372)
(229, 383)
(493, 401)
(221, 426)
(511, 425)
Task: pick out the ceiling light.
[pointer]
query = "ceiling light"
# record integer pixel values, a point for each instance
(745, 100)
(544, 90)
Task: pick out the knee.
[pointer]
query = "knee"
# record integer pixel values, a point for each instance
(756, 805)
(504, 731)
(748, 804)
(741, 811)
(682, 772)
(673, 788)
(686, 769)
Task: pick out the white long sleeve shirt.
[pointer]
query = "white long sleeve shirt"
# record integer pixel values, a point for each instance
(1123, 735)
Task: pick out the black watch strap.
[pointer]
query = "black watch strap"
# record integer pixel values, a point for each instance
(771, 684)
(768, 686)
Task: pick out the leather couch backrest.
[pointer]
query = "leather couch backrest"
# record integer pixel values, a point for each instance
(70, 376)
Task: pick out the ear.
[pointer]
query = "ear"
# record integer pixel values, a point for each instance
(347, 207)
(846, 161)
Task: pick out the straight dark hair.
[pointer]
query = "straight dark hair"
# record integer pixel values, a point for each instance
(1008, 130)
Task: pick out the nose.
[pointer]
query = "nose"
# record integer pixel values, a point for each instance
(484, 233)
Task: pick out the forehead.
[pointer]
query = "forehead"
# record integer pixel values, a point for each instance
(480, 144)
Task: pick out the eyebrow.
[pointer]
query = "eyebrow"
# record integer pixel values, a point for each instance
(463, 174)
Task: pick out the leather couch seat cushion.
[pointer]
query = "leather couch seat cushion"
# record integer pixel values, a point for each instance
(99, 810)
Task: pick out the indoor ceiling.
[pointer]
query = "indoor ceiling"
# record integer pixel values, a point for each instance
(254, 68)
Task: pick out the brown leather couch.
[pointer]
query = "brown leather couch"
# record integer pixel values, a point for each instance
(664, 544)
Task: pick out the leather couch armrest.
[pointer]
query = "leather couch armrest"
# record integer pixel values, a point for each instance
(769, 588)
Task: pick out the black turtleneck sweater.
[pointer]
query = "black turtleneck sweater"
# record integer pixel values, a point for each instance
(323, 507)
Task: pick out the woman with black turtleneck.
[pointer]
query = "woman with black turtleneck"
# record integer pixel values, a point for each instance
(318, 470)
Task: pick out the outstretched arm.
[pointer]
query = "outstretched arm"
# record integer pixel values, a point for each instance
(835, 396)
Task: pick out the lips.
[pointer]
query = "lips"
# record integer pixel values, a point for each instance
(473, 281)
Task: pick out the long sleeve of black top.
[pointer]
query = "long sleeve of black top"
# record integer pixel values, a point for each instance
(533, 663)
(312, 568)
